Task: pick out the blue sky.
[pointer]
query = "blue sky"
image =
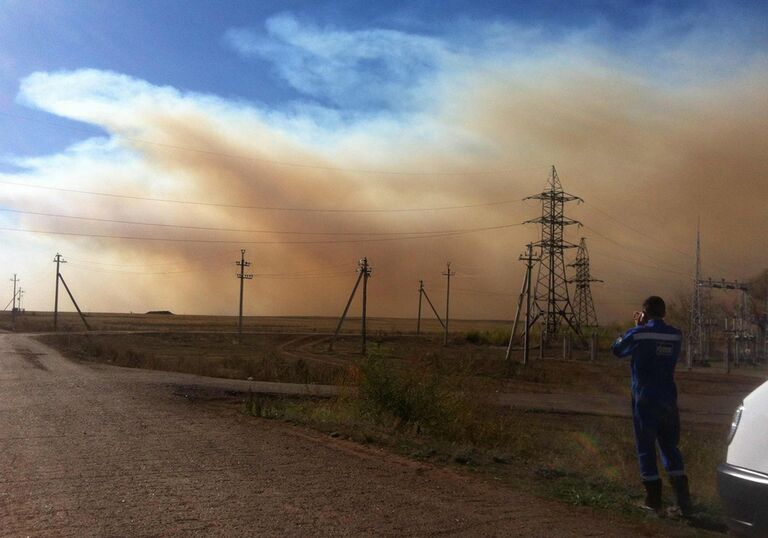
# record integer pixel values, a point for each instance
(184, 44)
(640, 104)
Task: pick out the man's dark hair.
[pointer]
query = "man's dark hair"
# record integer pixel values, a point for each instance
(655, 307)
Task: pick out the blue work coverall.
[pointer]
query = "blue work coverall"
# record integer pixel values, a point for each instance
(654, 349)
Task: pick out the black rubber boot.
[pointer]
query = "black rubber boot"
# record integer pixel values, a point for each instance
(682, 494)
(652, 495)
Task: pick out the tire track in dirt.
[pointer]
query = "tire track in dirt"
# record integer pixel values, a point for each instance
(296, 349)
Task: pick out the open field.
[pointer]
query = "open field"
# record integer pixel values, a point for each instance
(441, 404)
(70, 321)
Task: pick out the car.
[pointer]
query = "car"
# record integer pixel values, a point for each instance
(742, 480)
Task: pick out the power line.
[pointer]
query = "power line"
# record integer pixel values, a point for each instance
(655, 239)
(254, 207)
(238, 241)
(621, 245)
(79, 261)
(275, 276)
(159, 264)
(117, 271)
(639, 264)
(479, 292)
(217, 229)
(636, 230)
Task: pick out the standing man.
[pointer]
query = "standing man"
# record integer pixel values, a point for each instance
(654, 348)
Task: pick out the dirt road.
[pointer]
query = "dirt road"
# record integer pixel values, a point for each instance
(98, 451)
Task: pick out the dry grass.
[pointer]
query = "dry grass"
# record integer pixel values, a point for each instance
(430, 401)
(70, 321)
(582, 460)
(217, 355)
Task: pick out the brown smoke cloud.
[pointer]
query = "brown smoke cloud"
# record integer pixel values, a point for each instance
(653, 157)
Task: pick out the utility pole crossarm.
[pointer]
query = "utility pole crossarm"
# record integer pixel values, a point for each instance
(723, 284)
(562, 221)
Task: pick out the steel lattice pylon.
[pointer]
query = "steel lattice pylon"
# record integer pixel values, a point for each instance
(551, 302)
(583, 305)
(696, 334)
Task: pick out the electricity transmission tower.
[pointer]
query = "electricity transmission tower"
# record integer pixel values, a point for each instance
(583, 305)
(696, 334)
(551, 301)
(738, 332)
(739, 328)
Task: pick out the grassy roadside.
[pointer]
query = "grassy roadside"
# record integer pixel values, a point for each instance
(432, 413)
(429, 402)
(216, 355)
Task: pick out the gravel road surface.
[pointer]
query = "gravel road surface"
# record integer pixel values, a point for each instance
(92, 450)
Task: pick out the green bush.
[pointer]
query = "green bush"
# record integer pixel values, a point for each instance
(495, 337)
(133, 358)
(415, 399)
(92, 349)
(436, 397)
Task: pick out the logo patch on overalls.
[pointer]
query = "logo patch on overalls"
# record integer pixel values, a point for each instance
(664, 349)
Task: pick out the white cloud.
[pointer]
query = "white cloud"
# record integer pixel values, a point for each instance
(386, 99)
(376, 67)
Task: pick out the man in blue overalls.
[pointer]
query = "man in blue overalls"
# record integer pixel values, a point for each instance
(655, 347)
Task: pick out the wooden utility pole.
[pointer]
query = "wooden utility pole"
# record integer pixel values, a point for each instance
(77, 307)
(423, 293)
(15, 281)
(529, 259)
(363, 274)
(518, 310)
(243, 277)
(418, 319)
(525, 293)
(58, 261)
(365, 270)
(448, 274)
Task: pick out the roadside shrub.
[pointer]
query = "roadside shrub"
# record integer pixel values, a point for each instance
(412, 397)
(495, 337)
(435, 397)
(91, 349)
(261, 406)
(133, 358)
(301, 371)
(474, 337)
